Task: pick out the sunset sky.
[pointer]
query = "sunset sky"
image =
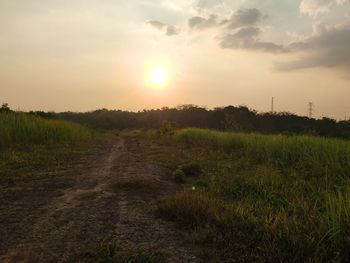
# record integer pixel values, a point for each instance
(133, 54)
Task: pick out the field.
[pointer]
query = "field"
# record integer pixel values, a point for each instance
(260, 198)
(30, 143)
(234, 197)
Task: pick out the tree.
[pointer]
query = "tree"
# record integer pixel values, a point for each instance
(5, 108)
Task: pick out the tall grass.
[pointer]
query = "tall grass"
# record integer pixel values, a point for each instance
(313, 155)
(265, 198)
(23, 129)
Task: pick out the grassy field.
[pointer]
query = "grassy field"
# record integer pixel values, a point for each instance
(261, 198)
(29, 143)
(23, 129)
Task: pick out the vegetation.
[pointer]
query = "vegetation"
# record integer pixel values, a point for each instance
(228, 118)
(29, 142)
(23, 129)
(313, 156)
(262, 198)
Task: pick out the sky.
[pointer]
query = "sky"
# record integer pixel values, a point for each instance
(82, 55)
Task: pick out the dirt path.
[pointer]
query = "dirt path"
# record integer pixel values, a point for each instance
(52, 219)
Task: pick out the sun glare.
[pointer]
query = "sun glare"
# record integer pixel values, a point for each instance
(158, 76)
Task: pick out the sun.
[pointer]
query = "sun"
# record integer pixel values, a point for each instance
(158, 76)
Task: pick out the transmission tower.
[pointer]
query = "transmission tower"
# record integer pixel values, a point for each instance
(272, 105)
(311, 109)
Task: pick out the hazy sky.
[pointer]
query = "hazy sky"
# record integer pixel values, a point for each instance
(87, 54)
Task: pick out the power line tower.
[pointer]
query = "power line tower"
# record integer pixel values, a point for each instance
(311, 109)
(272, 105)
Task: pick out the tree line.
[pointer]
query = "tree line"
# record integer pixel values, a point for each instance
(230, 118)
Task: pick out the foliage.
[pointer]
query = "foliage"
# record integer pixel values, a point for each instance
(186, 170)
(5, 108)
(228, 118)
(167, 128)
(179, 175)
(191, 169)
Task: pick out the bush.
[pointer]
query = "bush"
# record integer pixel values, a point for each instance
(179, 175)
(167, 128)
(191, 169)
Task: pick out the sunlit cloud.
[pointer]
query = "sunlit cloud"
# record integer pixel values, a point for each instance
(317, 7)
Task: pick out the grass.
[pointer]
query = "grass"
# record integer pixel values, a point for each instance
(262, 198)
(23, 129)
(314, 156)
(30, 143)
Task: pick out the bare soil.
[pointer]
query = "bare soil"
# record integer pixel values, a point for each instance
(54, 218)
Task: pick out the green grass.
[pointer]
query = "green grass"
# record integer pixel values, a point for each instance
(314, 156)
(262, 198)
(30, 145)
(23, 129)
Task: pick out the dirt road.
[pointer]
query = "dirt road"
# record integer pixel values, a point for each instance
(56, 217)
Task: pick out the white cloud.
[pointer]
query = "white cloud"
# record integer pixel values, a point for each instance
(316, 7)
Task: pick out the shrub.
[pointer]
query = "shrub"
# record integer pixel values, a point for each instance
(167, 128)
(191, 169)
(179, 175)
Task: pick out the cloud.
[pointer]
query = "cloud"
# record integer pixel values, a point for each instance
(316, 7)
(171, 30)
(168, 30)
(201, 23)
(241, 18)
(247, 38)
(327, 47)
(156, 24)
(244, 17)
(244, 32)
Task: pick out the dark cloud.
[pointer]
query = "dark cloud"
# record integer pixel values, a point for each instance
(241, 18)
(201, 23)
(330, 47)
(172, 30)
(156, 24)
(247, 38)
(169, 30)
(245, 17)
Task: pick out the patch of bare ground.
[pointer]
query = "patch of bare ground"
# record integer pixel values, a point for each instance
(53, 219)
